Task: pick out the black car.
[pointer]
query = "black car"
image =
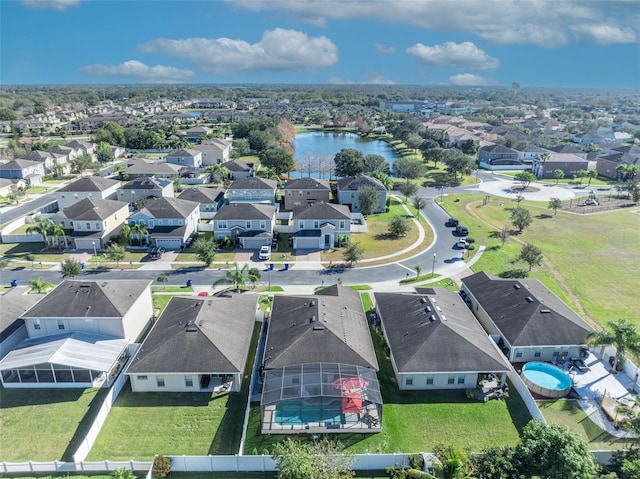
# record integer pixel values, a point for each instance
(462, 230)
(156, 252)
(453, 222)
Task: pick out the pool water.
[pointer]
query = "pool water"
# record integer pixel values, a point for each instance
(299, 412)
(547, 376)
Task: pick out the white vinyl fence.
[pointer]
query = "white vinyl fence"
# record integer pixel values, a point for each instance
(61, 466)
(526, 396)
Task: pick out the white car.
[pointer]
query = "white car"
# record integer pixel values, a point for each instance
(265, 253)
(462, 243)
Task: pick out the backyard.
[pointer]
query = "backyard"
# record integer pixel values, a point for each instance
(174, 423)
(46, 424)
(588, 259)
(416, 420)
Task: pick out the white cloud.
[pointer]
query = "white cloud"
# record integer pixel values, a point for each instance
(140, 72)
(461, 55)
(545, 23)
(469, 79)
(50, 4)
(278, 50)
(605, 34)
(384, 49)
(370, 78)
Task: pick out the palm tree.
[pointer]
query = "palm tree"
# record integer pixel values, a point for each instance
(39, 285)
(138, 230)
(42, 226)
(622, 335)
(125, 233)
(70, 268)
(254, 276)
(591, 174)
(236, 276)
(56, 232)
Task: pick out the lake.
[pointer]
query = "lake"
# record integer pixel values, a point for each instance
(314, 151)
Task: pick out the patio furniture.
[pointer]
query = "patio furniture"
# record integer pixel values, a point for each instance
(580, 365)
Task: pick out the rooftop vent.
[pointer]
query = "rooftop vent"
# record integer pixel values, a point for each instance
(529, 299)
(312, 304)
(313, 319)
(438, 308)
(545, 311)
(443, 317)
(198, 304)
(516, 286)
(190, 328)
(423, 300)
(432, 318)
(318, 328)
(427, 309)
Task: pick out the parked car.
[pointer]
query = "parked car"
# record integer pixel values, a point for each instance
(462, 243)
(462, 230)
(156, 252)
(265, 253)
(188, 242)
(453, 222)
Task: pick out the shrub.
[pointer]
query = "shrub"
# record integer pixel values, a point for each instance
(161, 466)
(470, 239)
(123, 473)
(417, 474)
(416, 461)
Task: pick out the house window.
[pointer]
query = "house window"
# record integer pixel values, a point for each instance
(299, 193)
(451, 379)
(78, 225)
(430, 379)
(341, 224)
(222, 225)
(308, 193)
(97, 226)
(408, 380)
(518, 353)
(295, 380)
(36, 324)
(289, 193)
(61, 324)
(247, 224)
(141, 378)
(537, 353)
(301, 225)
(556, 353)
(88, 226)
(263, 225)
(188, 381)
(460, 379)
(160, 381)
(316, 224)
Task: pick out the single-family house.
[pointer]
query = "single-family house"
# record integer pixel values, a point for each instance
(197, 133)
(435, 342)
(8, 186)
(156, 169)
(79, 335)
(526, 154)
(210, 200)
(194, 347)
(50, 161)
(143, 188)
(30, 171)
(499, 157)
(169, 221)
(253, 190)
(87, 187)
(568, 163)
(321, 225)
(92, 222)
(320, 366)
(587, 138)
(15, 302)
(238, 169)
(347, 192)
(567, 148)
(305, 191)
(249, 225)
(81, 147)
(185, 157)
(525, 319)
(214, 151)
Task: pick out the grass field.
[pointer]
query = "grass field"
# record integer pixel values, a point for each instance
(590, 259)
(417, 420)
(46, 424)
(141, 425)
(568, 413)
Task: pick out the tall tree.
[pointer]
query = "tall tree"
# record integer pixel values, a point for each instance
(551, 451)
(323, 459)
(115, 252)
(254, 276)
(521, 218)
(349, 162)
(622, 335)
(558, 175)
(70, 268)
(399, 226)
(39, 285)
(530, 254)
(408, 189)
(525, 177)
(419, 203)
(368, 197)
(279, 159)
(103, 152)
(81, 163)
(408, 168)
(555, 204)
(458, 162)
(137, 231)
(376, 163)
(353, 253)
(236, 276)
(591, 174)
(43, 227)
(205, 250)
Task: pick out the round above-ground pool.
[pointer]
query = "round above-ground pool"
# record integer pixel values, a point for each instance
(546, 380)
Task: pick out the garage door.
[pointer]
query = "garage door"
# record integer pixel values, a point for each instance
(87, 244)
(169, 243)
(303, 243)
(255, 243)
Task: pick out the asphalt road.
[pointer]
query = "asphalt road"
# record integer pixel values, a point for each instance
(27, 208)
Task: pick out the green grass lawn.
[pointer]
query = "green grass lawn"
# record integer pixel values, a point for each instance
(141, 425)
(171, 289)
(589, 257)
(46, 424)
(417, 420)
(567, 413)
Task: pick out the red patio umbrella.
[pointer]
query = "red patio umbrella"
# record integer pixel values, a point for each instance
(352, 403)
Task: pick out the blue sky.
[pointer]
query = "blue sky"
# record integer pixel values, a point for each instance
(549, 43)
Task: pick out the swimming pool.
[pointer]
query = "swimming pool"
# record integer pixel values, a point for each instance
(297, 411)
(546, 380)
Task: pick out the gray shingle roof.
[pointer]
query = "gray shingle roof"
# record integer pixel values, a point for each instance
(89, 299)
(246, 211)
(14, 303)
(306, 184)
(526, 312)
(202, 195)
(254, 183)
(208, 335)
(89, 183)
(93, 209)
(321, 211)
(497, 149)
(19, 164)
(142, 167)
(237, 165)
(169, 208)
(355, 182)
(144, 183)
(339, 333)
(184, 152)
(453, 341)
